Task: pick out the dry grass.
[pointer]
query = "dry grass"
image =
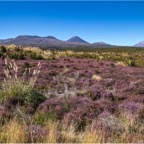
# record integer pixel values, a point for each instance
(96, 77)
(53, 135)
(12, 132)
(33, 49)
(121, 64)
(68, 133)
(90, 136)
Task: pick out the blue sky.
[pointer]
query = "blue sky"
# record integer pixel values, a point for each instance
(114, 22)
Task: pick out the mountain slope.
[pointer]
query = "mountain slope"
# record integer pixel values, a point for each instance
(101, 44)
(140, 44)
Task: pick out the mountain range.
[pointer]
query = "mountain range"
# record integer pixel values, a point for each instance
(52, 42)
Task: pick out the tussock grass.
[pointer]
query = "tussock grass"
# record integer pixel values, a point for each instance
(53, 134)
(19, 87)
(91, 136)
(12, 132)
(68, 133)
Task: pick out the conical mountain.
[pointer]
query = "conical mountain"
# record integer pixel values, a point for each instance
(77, 39)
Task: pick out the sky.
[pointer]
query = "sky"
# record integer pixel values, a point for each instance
(113, 22)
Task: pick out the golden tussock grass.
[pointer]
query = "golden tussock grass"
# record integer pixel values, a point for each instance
(53, 135)
(12, 132)
(68, 133)
(90, 136)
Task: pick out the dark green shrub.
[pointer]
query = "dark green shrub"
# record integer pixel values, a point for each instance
(16, 55)
(131, 63)
(40, 118)
(36, 55)
(26, 65)
(3, 49)
(17, 49)
(1, 54)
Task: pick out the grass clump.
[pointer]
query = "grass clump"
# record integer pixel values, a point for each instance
(20, 87)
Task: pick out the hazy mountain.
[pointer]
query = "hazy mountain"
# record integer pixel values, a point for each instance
(140, 44)
(101, 44)
(77, 39)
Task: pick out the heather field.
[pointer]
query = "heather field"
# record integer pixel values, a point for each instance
(71, 96)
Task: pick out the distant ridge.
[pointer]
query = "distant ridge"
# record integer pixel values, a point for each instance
(51, 37)
(102, 44)
(77, 40)
(26, 36)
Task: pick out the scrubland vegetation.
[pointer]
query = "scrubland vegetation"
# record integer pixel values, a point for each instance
(89, 96)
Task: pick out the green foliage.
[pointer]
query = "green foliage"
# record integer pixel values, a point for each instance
(131, 63)
(1, 54)
(3, 49)
(41, 118)
(17, 49)
(22, 91)
(16, 55)
(35, 55)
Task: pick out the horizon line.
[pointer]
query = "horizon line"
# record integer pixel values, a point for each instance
(70, 38)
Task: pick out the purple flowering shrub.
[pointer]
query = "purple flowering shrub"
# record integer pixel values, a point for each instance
(84, 92)
(131, 107)
(53, 106)
(7, 109)
(80, 110)
(97, 91)
(118, 84)
(83, 112)
(125, 80)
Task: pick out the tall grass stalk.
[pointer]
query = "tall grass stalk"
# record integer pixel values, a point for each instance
(14, 85)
